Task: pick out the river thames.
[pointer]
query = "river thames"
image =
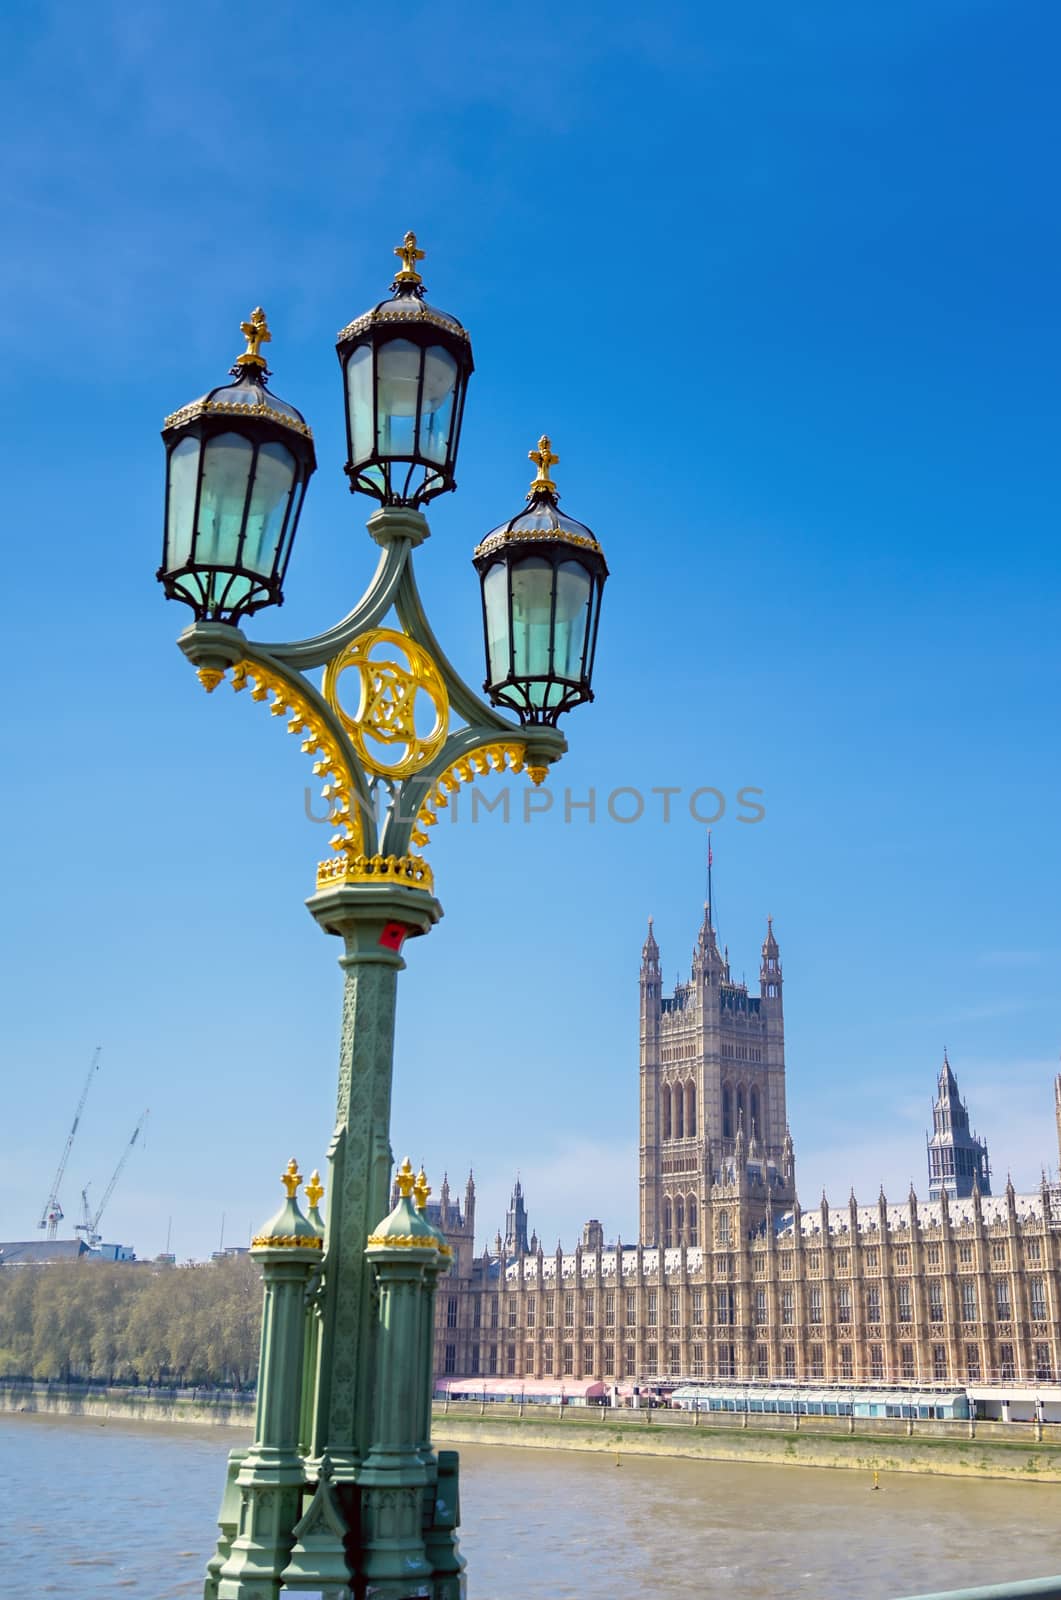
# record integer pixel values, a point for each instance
(103, 1508)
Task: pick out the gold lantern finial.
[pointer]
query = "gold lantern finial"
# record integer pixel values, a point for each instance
(406, 1181)
(315, 1189)
(544, 459)
(291, 1178)
(256, 332)
(421, 1189)
(410, 254)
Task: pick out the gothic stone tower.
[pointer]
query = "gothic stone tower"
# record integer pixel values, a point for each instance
(712, 1092)
(956, 1157)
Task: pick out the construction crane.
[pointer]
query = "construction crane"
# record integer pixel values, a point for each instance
(52, 1214)
(89, 1224)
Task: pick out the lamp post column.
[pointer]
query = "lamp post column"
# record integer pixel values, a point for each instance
(373, 922)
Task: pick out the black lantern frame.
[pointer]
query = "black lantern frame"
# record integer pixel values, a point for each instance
(541, 535)
(225, 590)
(405, 476)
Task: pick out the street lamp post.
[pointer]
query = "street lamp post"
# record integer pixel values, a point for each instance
(394, 733)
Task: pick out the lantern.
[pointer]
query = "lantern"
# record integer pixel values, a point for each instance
(237, 465)
(542, 576)
(405, 375)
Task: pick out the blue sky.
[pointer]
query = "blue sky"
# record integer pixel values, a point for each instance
(781, 282)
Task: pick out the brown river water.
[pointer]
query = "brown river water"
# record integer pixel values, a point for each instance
(93, 1509)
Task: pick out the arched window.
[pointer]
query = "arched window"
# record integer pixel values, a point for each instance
(665, 1101)
(691, 1221)
(723, 1227)
(756, 1130)
(668, 1237)
(690, 1110)
(679, 1219)
(679, 1112)
(742, 1120)
(727, 1112)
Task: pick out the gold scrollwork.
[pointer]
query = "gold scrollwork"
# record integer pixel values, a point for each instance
(338, 788)
(406, 1241)
(390, 697)
(489, 758)
(272, 1241)
(409, 870)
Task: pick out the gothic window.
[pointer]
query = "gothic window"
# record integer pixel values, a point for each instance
(587, 1311)
(651, 1357)
(727, 1361)
(528, 1360)
(668, 1228)
(724, 1307)
(846, 1368)
(760, 1308)
(939, 1363)
(723, 1227)
(609, 1309)
(569, 1360)
(698, 1360)
(1002, 1311)
(902, 1303)
(690, 1220)
(965, 1254)
(477, 1312)
(547, 1359)
(679, 1220)
(475, 1361)
(629, 1360)
(493, 1311)
(631, 1308)
(698, 1307)
(679, 1111)
(876, 1361)
(762, 1365)
(814, 1304)
(873, 1303)
(609, 1358)
(512, 1313)
(788, 1356)
(1008, 1366)
(787, 1308)
(492, 1362)
(998, 1252)
(1043, 1369)
(548, 1311)
(1038, 1299)
(727, 1112)
(587, 1360)
(968, 1289)
(690, 1110)
(451, 1358)
(451, 1311)
(817, 1361)
(906, 1360)
(754, 1106)
(510, 1361)
(569, 1309)
(972, 1363)
(843, 1302)
(530, 1311)
(742, 1121)
(674, 1363)
(1032, 1249)
(665, 1099)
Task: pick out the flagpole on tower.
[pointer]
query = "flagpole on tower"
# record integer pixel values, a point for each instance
(710, 897)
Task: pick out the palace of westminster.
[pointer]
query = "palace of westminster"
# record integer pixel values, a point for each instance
(731, 1277)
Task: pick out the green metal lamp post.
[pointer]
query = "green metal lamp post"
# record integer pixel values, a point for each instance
(393, 733)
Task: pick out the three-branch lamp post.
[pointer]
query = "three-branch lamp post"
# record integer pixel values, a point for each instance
(393, 733)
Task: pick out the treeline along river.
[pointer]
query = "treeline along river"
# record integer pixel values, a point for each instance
(99, 1509)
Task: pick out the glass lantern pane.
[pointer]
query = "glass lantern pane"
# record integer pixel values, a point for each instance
(180, 507)
(274, 475)
(398, 385)
(495, 601)
(532, 606)
(436, 416)
(359, 403)
(573, 588)
(226, 468)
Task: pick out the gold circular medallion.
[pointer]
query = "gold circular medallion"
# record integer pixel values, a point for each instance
(403, 710)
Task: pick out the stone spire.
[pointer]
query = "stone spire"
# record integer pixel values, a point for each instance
(955, 1155)
(650, 951)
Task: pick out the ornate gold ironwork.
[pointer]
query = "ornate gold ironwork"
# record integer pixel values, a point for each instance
(407, 309)
(256, 332)
(501, 536)
(410, 254)
(389, 701)
(490, 758)
(280, 1241)
(405, 1180)
(220, 408)
(210, 677)
(537, 775)
(421, 1190)
(409, 870)
(291, 1178)
(314, 1188)
(544, 458)
(338, 788)
(408, 1241)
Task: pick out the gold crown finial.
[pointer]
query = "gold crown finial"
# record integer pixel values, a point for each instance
(315, 1189)
(291, 1178)
(410, 254)
(256, 332)
(406, 1181)
(544, 459)
(421, 1189)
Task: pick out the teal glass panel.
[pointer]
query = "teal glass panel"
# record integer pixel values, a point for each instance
(180, 508)
(226, 469)
(274, 475)
(359, 403)
(436, 417)
(532, 606)
(495, 601)
(398, 380)
(574, 587)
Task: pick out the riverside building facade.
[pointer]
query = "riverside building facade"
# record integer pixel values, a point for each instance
(731, 1278)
